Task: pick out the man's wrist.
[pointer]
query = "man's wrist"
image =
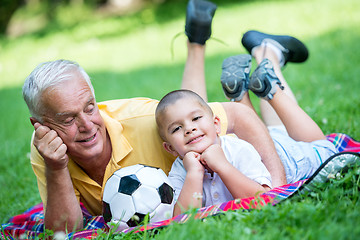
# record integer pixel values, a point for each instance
(58, 175)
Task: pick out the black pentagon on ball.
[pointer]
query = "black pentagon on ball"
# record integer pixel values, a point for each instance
(106, 212)
(136, 219)
(166, 193)
(129, 184)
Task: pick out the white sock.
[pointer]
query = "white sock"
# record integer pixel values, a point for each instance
(275, 46)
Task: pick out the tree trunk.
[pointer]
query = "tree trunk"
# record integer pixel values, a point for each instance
(7, 9)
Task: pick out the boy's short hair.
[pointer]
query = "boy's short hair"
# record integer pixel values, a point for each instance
(170, 99)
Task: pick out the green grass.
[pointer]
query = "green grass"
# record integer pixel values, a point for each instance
(130, 56)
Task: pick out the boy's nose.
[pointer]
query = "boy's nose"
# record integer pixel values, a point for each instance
(190, 130)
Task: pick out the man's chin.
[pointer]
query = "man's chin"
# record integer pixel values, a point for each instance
(86, 153)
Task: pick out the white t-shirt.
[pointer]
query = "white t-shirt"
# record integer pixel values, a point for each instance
(241, 154)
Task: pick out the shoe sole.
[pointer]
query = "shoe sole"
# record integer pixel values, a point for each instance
(297, 51)
(235, 76)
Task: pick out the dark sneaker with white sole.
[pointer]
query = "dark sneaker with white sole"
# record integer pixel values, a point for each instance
(199, 15)
(292, 48)
(235, 76)
(263, 80)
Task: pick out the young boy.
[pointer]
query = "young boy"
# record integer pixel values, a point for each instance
(299, 141)
(217, 168)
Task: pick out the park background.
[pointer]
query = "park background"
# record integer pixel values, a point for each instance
(131, 52)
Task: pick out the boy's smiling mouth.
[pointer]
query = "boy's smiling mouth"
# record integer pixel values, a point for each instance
(196, 139)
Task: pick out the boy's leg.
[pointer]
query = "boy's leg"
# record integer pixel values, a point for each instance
(298, 124)
(235, 78)
(268, 114)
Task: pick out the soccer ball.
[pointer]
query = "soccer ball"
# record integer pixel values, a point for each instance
(135, 191)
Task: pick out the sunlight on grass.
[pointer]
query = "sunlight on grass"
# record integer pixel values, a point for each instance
(114, 45)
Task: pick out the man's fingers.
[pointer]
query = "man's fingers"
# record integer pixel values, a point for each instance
(53, 150)
(61, 151)
(41, 130)
(36, 125)
(56, 143)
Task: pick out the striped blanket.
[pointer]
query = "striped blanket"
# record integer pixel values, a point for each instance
(31, 223)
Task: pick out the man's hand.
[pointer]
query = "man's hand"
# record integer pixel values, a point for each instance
(51, 147)
(62, 208)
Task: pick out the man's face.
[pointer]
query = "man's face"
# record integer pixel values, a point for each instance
(71, 110)
(189, 127)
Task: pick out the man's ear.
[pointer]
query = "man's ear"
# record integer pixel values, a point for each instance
(170, 149)
(217, 124)
(33, 120)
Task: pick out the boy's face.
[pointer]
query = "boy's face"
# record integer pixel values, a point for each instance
(188, 126)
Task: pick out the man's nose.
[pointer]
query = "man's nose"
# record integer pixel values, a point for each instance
(84, 123)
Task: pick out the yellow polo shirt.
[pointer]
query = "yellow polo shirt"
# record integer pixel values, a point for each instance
(134, 139)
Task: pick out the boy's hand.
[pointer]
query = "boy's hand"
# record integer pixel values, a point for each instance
(192, 163)
(214, 158)
(51, 147)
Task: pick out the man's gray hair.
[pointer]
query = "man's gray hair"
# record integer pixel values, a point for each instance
(45, 75)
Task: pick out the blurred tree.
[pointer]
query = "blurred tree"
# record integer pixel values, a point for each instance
(7, 9)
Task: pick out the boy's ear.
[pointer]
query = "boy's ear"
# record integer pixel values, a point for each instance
(170, 149)
(217, 124)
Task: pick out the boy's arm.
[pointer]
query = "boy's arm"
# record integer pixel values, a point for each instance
(193, 186)
(239, 185)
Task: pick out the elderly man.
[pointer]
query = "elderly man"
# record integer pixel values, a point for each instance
(78, 143)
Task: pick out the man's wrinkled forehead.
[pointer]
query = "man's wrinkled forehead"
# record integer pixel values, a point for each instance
(67, 95)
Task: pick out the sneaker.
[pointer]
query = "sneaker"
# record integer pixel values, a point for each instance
(292, 49)
(334, 167)
(199, 15)
(263, 81)
(235, 76)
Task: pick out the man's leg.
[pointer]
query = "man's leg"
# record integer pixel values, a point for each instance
(194, 72)
(284, 108)
(199, 15)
